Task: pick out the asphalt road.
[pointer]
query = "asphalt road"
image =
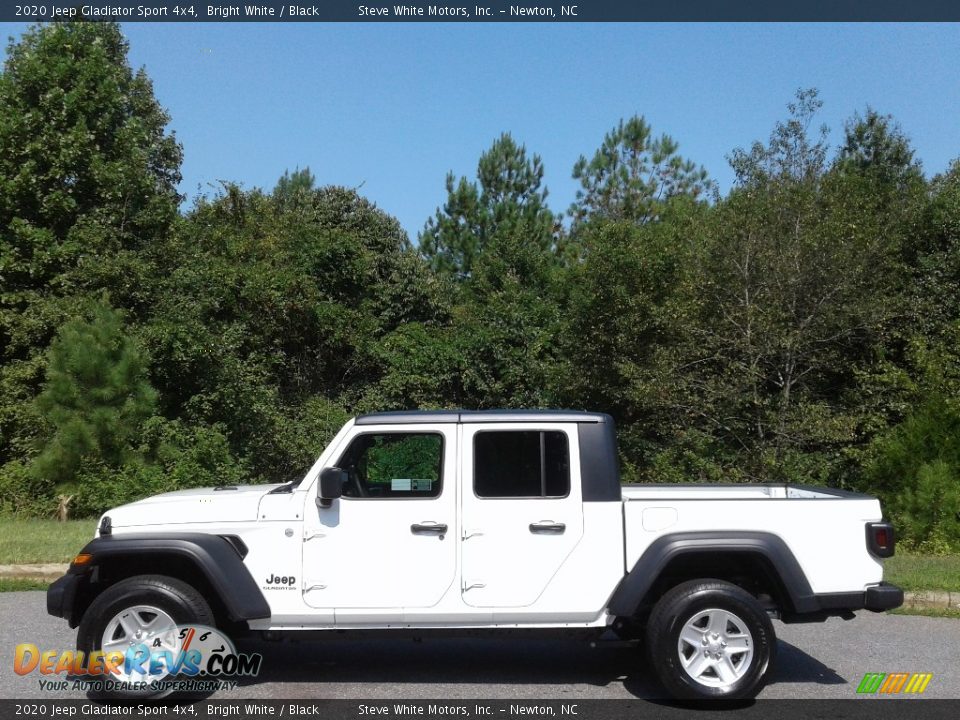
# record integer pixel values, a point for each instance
(824, 660)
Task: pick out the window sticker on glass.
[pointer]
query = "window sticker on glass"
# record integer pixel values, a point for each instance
(393, 465)
(411, 485)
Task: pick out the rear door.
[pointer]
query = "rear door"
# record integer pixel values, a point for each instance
(522, 510)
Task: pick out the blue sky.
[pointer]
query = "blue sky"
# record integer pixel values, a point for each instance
(391, 108)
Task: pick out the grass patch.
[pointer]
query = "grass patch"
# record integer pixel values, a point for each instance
(17, 584)
(927, 612)
(43, 541)
(923, 572)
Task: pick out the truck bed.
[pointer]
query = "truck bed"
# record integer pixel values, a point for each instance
(779, 491)
(823, 528)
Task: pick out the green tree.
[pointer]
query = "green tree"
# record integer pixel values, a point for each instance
(915, 467)
(292, 187)
(934, 262)
(875, 145)
(633, 174)
(626, 323)
(270, 315)
(87, 168)
(794, 153)
(95, 399)
(799, 288)
(88, 177)
(507, 199)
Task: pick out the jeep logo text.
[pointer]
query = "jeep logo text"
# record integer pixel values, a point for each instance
(282, 580)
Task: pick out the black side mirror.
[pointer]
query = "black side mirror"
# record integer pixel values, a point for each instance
(332, 480)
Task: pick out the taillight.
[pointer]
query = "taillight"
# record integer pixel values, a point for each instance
(880, 539)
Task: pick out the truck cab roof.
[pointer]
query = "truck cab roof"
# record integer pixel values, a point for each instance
(405, 417)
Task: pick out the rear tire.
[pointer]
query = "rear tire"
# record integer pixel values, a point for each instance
(710, 639)
(158, 599)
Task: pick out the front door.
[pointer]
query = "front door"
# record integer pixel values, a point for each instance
(391, 541)
(522, 510)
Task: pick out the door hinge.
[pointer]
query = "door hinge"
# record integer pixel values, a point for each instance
(307, 588)
(311, 534)
(467, 534)
(473, 586)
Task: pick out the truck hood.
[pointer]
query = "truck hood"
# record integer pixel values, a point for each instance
(236, 503)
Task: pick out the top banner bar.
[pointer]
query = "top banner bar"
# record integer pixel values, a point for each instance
(486, 11)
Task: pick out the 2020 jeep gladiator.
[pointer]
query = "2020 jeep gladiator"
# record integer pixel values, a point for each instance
(484, 521)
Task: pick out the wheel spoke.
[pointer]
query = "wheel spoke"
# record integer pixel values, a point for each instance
(697, 664)
(140, 618)
(725, 669)
(737, 644)
(157, 625)
(718, 621)
(115, 646)
(129, 625)
(692, 636)
(165, 645)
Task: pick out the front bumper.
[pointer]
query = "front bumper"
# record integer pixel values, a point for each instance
(62, 596)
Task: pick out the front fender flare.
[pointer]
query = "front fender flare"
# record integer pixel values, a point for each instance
(215, 556)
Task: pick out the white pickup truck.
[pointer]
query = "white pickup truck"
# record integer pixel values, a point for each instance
(486, 521)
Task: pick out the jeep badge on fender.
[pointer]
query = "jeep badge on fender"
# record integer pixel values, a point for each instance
(273, 580)
(493, 521)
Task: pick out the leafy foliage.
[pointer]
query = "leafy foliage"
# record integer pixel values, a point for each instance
(88, 177)
(916, 467)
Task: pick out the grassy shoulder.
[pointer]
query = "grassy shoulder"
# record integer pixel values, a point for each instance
(42, 541)
(10, 584)
(923, 572)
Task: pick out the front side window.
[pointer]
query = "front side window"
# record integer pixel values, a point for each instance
(521, 464)
(393, 465)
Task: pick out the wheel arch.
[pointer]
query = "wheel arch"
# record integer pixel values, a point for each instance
(758, 561)
(213, 564)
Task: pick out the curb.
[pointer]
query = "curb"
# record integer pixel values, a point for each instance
(932, 599)
(920, 599)
(38, 571)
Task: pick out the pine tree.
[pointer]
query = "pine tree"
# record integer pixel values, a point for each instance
(96, 396)
(633, 174)
(508, 199)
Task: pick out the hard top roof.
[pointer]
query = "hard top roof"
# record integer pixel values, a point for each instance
(479, 416)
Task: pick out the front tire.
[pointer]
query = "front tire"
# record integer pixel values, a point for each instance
(138, 609)
(709, 639)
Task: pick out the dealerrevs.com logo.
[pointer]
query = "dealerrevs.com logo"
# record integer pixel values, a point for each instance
(894, 683)
(187, 658)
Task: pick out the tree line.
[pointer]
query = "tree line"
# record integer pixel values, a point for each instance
(803, 327)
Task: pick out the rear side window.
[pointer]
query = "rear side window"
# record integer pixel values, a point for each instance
(521, 464)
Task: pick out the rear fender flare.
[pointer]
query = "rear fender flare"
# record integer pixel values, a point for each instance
(632, 590)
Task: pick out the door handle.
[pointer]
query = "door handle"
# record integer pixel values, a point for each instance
(429, 528)
(547, 527)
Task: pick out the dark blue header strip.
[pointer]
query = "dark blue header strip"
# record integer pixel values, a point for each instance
(486, 11)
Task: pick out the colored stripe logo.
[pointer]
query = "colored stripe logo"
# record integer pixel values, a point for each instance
(894, 683)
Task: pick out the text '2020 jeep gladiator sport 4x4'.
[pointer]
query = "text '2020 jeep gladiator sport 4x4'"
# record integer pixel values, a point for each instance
(489, 520)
